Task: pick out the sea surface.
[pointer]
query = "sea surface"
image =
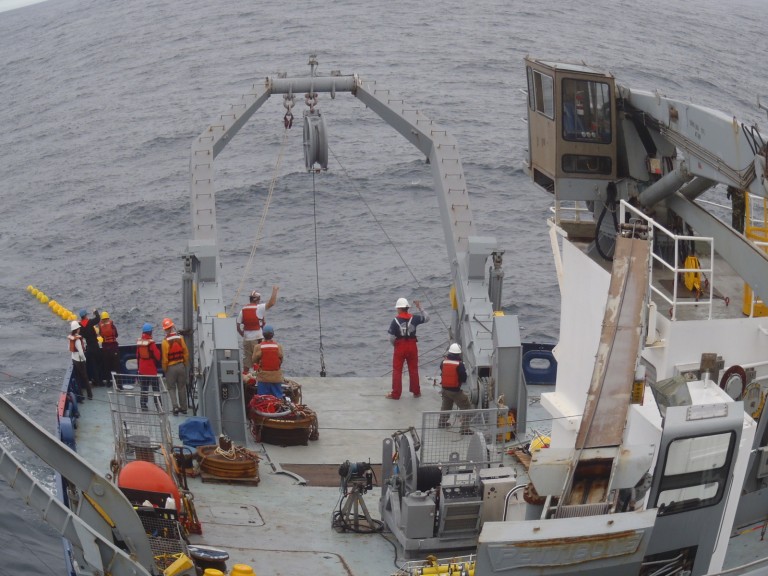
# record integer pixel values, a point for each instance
(101, 102)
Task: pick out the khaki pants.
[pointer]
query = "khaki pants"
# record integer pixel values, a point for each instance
(453, 396)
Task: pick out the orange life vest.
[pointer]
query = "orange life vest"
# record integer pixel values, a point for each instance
(142, 349)
(450, 374)
(72, 342)
(107, 331)
(175, 349)
(251, 320)
(270, 358)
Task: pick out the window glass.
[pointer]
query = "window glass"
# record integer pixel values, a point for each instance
(697, 454)
(587, 111)
(545, 94)
(586, 164)
(696, 494)
(695, 473)
(531, 90)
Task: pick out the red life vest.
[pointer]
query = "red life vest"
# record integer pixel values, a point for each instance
(450, 374)
(142, 349)
(270, 359)
(72, 342)
(84, 322)
(251, 320)
(175, 349)
(107, 331)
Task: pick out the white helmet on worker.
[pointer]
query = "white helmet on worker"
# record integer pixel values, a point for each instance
(255, 296)
(74, 325)
(401, 303)
(454, 349)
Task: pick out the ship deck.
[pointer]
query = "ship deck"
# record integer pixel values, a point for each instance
(282, 525)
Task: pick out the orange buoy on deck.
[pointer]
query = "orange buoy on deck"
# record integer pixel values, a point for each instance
(141, 475)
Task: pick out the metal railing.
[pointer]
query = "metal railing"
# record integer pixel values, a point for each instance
(676, 269)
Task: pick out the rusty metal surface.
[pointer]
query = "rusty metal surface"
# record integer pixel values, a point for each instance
(609, 392)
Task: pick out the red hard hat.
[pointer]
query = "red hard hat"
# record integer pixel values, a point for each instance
(167, 323)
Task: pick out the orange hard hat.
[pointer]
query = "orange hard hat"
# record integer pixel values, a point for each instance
(167, 323)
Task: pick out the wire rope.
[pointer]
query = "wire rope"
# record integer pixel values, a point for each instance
(260, 228)
(317, 276)
(389, 240)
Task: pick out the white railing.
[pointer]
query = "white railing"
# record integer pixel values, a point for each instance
(676, 268)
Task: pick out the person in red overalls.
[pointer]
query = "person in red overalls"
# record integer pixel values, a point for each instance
(453, 374)
(402, 334)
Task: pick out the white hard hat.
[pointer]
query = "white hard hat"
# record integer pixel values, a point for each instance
(74, 325)
(255, 295)
(454, 349)
(401, 303)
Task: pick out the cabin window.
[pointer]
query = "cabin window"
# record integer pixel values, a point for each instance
(586, 164)
(541, 93)
(586, 111)
(696, 472)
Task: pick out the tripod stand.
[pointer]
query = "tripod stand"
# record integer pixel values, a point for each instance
(349, 518)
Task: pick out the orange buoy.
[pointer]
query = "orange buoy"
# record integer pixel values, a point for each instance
(147, 476)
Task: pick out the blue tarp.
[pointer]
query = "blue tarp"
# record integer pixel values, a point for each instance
(196, 431)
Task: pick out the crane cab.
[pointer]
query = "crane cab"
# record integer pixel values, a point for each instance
(571, 129)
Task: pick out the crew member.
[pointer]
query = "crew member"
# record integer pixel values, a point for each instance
(402, 334)
(175, 361)
(268, 354)
(147, 356)
(77, 351)
(453, 374)
(110, 355)
(251, 320)
(92, 351)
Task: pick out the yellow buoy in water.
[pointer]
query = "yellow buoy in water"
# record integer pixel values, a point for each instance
(30, 288)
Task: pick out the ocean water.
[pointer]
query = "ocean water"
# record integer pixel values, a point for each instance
(101, 101)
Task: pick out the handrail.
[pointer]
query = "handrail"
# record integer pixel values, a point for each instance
(509, 495)
(676, 268)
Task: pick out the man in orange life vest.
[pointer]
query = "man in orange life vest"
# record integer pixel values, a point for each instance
(175, 360)
(402, 334)
(110, 358)
(453, 374)
(250, 322)
(268, 354)
(147, 357)
(77, 352)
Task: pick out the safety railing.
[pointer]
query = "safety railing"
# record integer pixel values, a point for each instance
(672, 244)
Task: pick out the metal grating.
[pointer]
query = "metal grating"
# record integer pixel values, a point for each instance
(164, 536)
(480, 447)
(141, 434)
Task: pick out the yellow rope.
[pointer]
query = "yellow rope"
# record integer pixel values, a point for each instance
(261, 222)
